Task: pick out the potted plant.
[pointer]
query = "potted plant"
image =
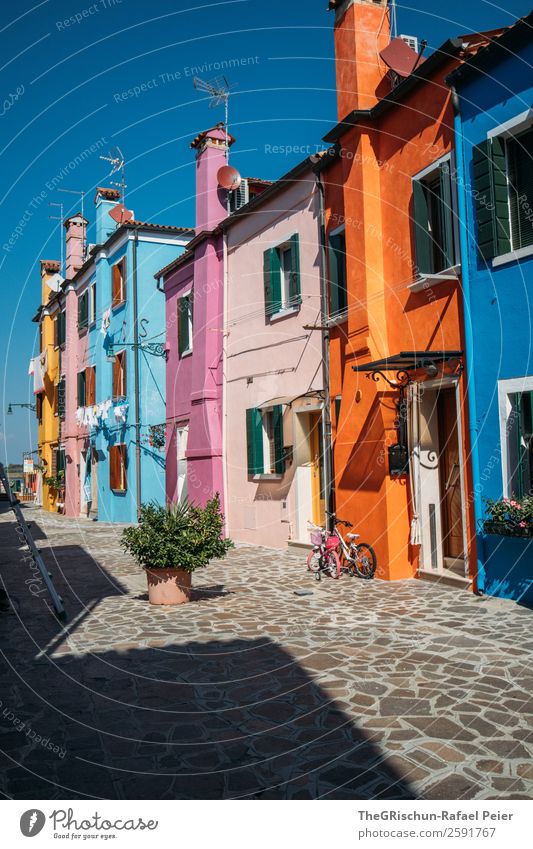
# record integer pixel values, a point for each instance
(171, 542)
(510, 517)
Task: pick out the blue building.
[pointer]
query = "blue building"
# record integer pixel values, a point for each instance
(493, 96)
(124, 414)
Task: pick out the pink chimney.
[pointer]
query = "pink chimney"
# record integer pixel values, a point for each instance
(211, 148)
(76, 227)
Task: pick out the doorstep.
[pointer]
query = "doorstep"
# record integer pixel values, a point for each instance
(444, 576)
(300, 546)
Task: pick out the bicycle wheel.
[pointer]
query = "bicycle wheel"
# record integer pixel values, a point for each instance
(364, 560)
(314, 561)
(333, 564)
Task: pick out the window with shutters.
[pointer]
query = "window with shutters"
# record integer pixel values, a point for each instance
(83, 311)
(119, 376)
(264, 437)
(184, 321)
(520, 172)
(515, 401)
(60, 329)
(118, 461)
(281, 271)
(92, 304)
(433, 220)
(90, 386)
(118, 284)
(39, 407)
(82, 385)
(338, 293)
(59, 398)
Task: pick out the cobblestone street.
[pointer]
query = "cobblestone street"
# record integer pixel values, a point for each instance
(358, 690)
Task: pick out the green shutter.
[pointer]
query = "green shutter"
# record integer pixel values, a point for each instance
(279, 454)
(254, 441)
(81, 389)
(61, 398)
(520, 153)
(424, 253)
(184, 307)
(272, 281)
(338, 297)
(448, 241)
(492, 208)
(295, 292)
(83, 310)
(519, 448)
(338, 400)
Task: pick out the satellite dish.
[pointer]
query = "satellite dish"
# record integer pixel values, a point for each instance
(55, 282)
(119, 213)
(229, 178)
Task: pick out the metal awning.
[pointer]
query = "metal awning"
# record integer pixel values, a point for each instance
(407, 361)
(287, 400)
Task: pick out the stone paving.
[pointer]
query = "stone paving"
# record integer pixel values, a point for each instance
(360, 690)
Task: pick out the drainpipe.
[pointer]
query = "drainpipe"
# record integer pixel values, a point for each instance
(469, 344)
(327, 447)
(136, 372)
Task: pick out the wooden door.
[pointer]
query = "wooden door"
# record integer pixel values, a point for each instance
(450, 475)
(317, 466)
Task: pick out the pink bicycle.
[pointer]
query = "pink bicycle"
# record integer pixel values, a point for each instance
(324, 558)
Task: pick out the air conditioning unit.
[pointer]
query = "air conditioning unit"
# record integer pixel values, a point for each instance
(411, 41)
(239, 197)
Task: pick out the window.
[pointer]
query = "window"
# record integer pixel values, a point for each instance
(182, 436)
(264, 436)
(90, 386)
(338, 402)
(59, 398)
(520, 444)
(83, 310)
(39, 407)
(60, 329)
(58, 461)
(520, 173)
(118, 283)
(281, 268)
(185, 308)
(118, 462)
(119, 376)
(433, 221)
(92, 304)
(81, 389)
(338, 294)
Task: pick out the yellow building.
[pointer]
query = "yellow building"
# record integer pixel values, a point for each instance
(49, 400)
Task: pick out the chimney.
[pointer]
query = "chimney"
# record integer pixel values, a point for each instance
(105, 200)
(211, 201)
(362, 31)
(76, 227)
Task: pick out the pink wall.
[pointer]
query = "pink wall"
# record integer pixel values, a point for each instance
(194, 382)
(269, 358)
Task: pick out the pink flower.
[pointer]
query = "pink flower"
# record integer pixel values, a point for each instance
(523, 525)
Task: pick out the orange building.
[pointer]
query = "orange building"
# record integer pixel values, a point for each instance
(397, 382)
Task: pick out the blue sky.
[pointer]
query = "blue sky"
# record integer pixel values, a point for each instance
(68, 86)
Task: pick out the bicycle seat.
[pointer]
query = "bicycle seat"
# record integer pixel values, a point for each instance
(353, 536)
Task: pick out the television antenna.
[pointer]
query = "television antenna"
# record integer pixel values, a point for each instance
(116, 160)
(82, 196)
(219, 91)
(59, 218)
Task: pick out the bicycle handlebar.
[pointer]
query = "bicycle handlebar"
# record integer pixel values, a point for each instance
(339, 521)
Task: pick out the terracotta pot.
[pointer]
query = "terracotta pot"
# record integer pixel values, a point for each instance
(168, 586)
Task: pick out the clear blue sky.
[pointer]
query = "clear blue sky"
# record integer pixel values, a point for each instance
(71, 81)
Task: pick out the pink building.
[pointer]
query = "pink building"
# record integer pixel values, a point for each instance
(193, 286)
(273, 364)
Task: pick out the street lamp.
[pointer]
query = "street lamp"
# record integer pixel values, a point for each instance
(28, 407)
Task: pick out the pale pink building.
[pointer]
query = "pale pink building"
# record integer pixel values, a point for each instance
(273, 365)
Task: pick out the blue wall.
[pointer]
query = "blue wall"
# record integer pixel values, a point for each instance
(500, 312)
(151, 256)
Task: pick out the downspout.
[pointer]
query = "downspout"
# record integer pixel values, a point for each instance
(469, 345)
(136, 375)
(327, 446)
(225, 334)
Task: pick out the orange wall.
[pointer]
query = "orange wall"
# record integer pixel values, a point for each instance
(378, 163)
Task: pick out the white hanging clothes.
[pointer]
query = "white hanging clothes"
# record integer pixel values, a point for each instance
(106, 321)
(39, 371)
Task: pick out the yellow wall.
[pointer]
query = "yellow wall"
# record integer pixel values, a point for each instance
(48, 430)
